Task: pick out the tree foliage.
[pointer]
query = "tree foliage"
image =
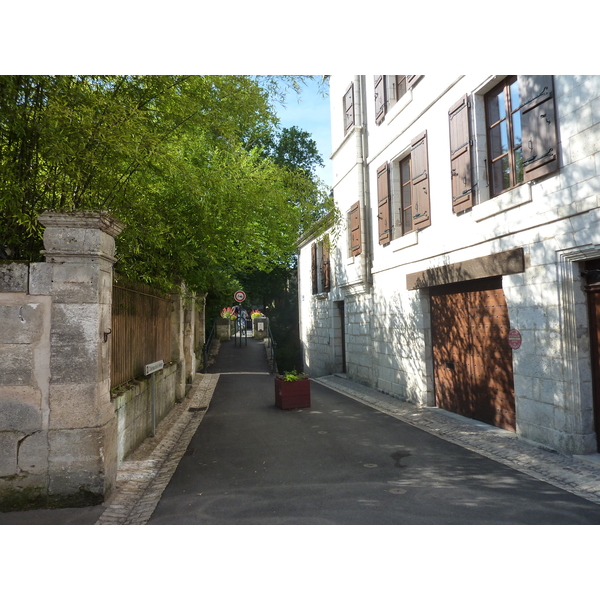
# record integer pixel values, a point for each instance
(177, 158)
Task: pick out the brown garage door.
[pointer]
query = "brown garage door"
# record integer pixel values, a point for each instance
(472, 359)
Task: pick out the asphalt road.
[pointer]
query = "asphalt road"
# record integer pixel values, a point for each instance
(341, 462)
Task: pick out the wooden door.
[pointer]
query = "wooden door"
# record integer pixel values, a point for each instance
(451, 347)
(593, 291)
(472, 358)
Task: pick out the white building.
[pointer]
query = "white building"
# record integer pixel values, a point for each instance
(464, 272)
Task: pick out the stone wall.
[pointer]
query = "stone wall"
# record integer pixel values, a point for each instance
(61, 434)
(133, 408)
(58, 436)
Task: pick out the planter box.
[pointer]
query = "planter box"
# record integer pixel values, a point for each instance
(292, 394)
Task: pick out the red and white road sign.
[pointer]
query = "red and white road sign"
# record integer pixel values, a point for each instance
(239, 296)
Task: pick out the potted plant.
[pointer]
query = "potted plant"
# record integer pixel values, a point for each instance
(292, 390)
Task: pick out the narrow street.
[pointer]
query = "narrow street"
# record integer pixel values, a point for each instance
(340, 462)
(228, 455)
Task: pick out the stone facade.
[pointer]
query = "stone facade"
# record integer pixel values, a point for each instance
(554, 220)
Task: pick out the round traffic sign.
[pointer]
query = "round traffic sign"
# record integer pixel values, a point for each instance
(239, 296)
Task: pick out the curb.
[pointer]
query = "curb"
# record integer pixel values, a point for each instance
(142, 480)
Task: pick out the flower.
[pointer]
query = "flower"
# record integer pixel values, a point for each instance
(227, 313)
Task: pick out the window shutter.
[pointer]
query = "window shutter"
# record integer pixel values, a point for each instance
(538, 122)
(411, 80)
(315, 284)
(326, 267)
(379, 98)
(355, 247)
(383, 198)
(420, 182)
(349, 108)
(461, 155)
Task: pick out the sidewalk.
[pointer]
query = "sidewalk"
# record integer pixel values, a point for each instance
(143, 478)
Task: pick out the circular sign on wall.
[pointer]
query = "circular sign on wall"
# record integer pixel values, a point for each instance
(514, 339)
(239, 296)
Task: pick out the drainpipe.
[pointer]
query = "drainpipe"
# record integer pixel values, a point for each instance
(363, 177)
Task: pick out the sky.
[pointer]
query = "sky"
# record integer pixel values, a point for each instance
(309, 111)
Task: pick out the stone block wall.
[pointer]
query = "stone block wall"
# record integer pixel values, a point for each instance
(223, 329)
(61, 434)
(24, 384)
(319, 361)
(133, 408)
(58, 430)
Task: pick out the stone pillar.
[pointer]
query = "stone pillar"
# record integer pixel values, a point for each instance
(82, 428)
(259, 328)
(223, 329)
(177, 349)
(189, 335)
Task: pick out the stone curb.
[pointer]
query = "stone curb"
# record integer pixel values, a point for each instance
(142, 480)
(571, 473)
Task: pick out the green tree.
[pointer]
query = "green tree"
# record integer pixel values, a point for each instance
(275, 289)
(171, 156)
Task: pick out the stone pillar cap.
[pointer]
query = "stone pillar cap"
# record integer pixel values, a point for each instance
(83, 219)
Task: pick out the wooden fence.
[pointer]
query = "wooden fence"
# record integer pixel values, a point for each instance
(141, 330)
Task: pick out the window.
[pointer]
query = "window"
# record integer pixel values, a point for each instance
(354, 243)
(384, 204)
(408, 207)
(388, 90)
(461, 158)
(400, 85)
(405, 208)
(349, 109)
(521, 138)
(538, 122)
(419, 189)
(321, 271)
(503, 121)
(521, 131)
(380, 97)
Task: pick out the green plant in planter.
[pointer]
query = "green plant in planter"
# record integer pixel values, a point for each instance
(292, 390)
(293, 376)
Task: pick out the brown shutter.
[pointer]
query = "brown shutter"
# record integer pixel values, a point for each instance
(411, 80)
(383, 199)
(349, 108)
(315, 284)
(379, 98)
(420, 182)
(538, 122)
(355, 247)
(326, 267)
(461, 155)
